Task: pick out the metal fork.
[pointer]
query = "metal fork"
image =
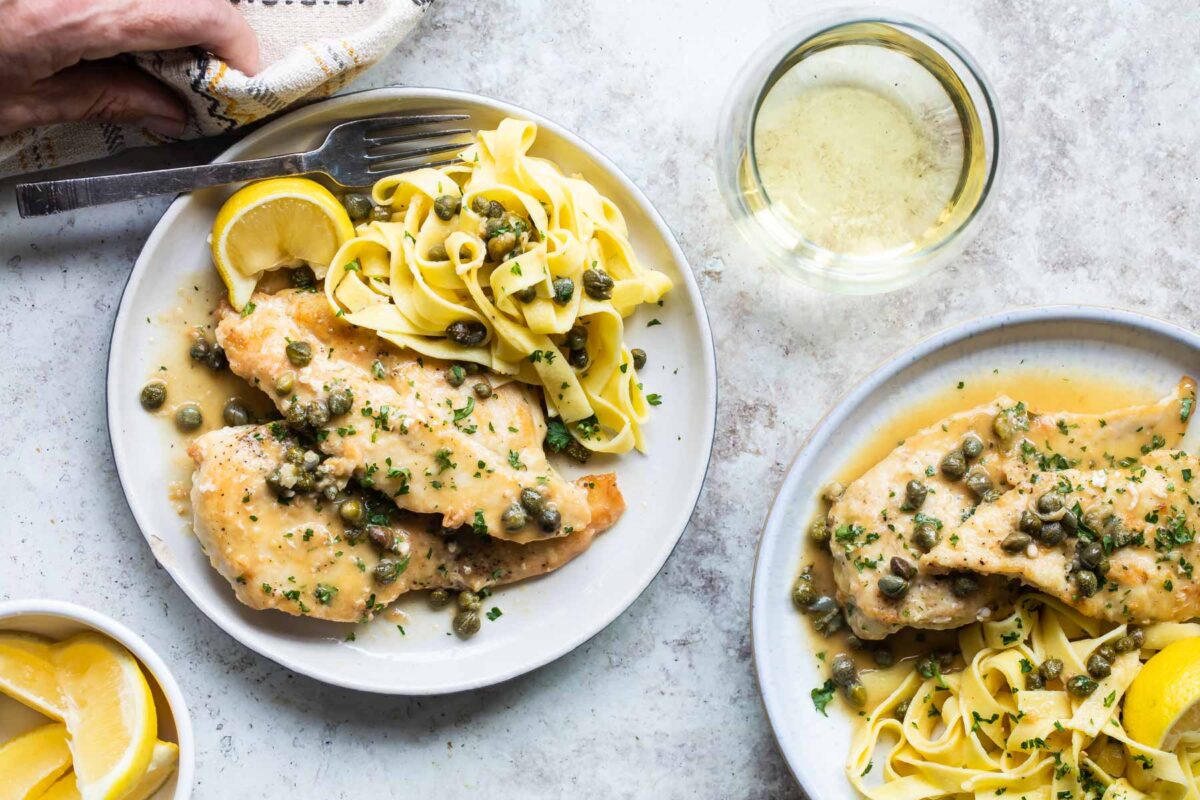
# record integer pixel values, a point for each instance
(354, 154)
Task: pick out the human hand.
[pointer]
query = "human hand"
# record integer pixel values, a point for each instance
(56, 60)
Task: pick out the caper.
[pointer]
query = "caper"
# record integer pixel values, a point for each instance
(1050, 502)
(381, 536)
(500, 245)
(216, 360)
(340, 401)
(842, 670)
(902, 708)
(576, 338)
(883, 657)
(153, 395)
(1010, 421)
(456, 375)
(294, 454)
(564, 290)
(188, 417)
(822, 605)
(972, 446)
(466, 623)
(439, 598)
(480, 205)
(495, 210)
(639, 357)
(1030, 523)
(927, 667)
(352, 512)
(285, 383)
(310, 460)
(482, 390)
(578, 359)
(296, 415)
(577, 452)
(234, 413)
(1090, 553)
(1086, 583)
(358, 206)
(1051, 669)
(597, 284)
(1098, 666)
(944, 658)
(1069, 522)
(832, 491)
(1138, 637)
(829, 624)
(438, 253)
(446, 206)
(979, 482)
(549, 519)
(381, 214)
(954, 465)
(316, 413)
(964, 586)
(514, 517)
(468, 600)
(1034, 682)
(903, 568)
(915, 493)
(1016, 542)
(354, 535)
(532, 501)
(467, 333)
(1081, 686)
(526, 295)
(893, 586)
(299, 353)
(1052, 533)
(1123, 644)
(387, 570)
(925, 536)
(1106, 651)
(199, 349)
(818, 529)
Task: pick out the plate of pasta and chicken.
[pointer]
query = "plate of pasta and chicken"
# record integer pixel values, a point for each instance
(420, 436)
(978, 577)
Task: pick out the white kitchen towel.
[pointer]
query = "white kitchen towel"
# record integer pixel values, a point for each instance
(308, 48)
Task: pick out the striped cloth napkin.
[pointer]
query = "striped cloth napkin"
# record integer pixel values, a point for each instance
(309, 49)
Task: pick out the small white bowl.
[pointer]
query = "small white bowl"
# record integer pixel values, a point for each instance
(57, 620)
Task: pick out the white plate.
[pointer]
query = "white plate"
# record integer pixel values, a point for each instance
(542, 619)
(58, 620)
(1142, 351)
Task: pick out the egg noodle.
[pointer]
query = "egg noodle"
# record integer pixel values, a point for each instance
(384, 279)
(979, 733)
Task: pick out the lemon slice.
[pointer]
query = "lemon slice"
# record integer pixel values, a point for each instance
(162, 764)
(27, 673)
(109, 713)
(32, 762)
(276, 223)
(63, 789)
(1163, 702)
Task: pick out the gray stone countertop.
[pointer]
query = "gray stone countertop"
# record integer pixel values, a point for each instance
(1099, 203)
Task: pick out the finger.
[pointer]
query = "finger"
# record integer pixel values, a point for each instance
(101, 92)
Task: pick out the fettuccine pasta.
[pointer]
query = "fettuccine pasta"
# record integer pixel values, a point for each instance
(980, 733)
(501, 261)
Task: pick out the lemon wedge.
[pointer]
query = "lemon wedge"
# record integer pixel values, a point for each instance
(109, 712)
(162, 764)
(27, 673)
(63, 789)
(1163, 702)
(32, 762)
(276, 223)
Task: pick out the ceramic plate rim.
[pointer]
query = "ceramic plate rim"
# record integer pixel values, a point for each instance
(706, 355)
(844, 406)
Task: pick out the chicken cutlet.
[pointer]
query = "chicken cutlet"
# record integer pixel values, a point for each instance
(299, 556)
(433, 447)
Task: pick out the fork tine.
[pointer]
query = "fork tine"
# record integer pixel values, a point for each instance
(405, 155)
(389, 170)
(384, 123)
(415, 136)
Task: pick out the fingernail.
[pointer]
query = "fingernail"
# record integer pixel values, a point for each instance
(165, 126)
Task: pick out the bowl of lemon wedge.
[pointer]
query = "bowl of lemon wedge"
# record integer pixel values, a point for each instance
(87, 709)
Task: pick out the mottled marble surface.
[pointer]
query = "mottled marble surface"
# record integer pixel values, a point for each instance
(1098, 204)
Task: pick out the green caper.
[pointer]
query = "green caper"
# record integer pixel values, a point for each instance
(387, 570)
(597, 284)
(493, 227)
(1107, 651)
(467, 333)
(358, 206)
(903, 568)
(972, 446)
(216, 360)
(299, 353)
(438, 253)
(480, 205)
(456, 375)
(468, 600)
(1034, 682)
(340, 401)
(925, 536)
(576, 338)
(514, 517)
(1051, 669)
(803, 592)
(831, 491)
(188, 417)
(1052, 533)
(234, 413)
(927, 667)
(578, 359)
(964, 586)
(500, 245)
(818, 529)
(1016, 542)
(1086, 583)
(1124, 644)
(1090, 553)
(1081, 685)
(285, 383)
(577, 452)
(829, 624)
(1138, 637)
(1030, 523)
(439, 598)
(883, 657)
(893, 586)
(532, 501)
(979, 482)
(954, 465)
(915, 493)
(316, 413)
(495, 210)
(352, 512)
(295, 414)
(822, 605)
(902, 708)
(446, 206)
(842, 670)
(1098, 666)
(199, 349)
(1050, 502)
(1009, 422)
(153, 395)
(382, 537)
(526, 295)
(549, 519)
(466, 623)
(564, 290)
(482, 390)
(302, 277)
(639, 357)
(1069, 522)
